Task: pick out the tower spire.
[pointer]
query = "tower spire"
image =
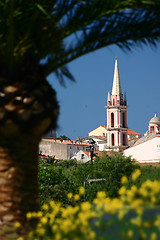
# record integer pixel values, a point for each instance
(109, 97)
(116, 88)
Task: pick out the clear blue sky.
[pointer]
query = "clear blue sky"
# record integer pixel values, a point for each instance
(82, 104)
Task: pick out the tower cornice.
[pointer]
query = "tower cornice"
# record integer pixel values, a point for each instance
(117, 107)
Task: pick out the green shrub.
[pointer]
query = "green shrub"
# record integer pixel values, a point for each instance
(59, 178)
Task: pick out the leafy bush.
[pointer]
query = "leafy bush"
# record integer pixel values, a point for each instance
(148, 172)
(59, 178)
(52, 183)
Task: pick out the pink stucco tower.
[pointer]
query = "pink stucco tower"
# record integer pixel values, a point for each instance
(116, 116)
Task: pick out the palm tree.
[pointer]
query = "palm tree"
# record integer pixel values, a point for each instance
(38, 38)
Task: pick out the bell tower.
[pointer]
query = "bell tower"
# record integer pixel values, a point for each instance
(116, 115)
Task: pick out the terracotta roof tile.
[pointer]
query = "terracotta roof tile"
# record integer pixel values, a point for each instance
(68, 142)
(130, 131)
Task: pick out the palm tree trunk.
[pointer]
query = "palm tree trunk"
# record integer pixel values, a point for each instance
(27, 110)
(18, 180)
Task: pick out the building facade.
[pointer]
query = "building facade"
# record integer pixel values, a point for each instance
(147, 148)
(117, 137)
(99, 131)
(61, 150)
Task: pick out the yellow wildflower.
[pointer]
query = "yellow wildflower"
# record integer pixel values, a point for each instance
(58, 236)
(41, 231)
(122, 190)
(153, 236)
(101, 195)
(44, 220)
(121, 214)
(76, 197)
(157, 222)
(136, 174)
(91, 235)
(136, 221)
(124, 179)
(81, 191)
(85, 206)
(142, 235)
(45, 207)
(17, 224)
(29, 215)
(39, 214)
(130, 234)
(54, 227)
(153, 199)
(70, 195)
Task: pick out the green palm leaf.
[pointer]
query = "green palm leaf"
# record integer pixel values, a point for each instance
(60, 31)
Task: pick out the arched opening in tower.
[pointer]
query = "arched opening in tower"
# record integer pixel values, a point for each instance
(112, 139)
(124, 139)
(112, 119)
(123, 120)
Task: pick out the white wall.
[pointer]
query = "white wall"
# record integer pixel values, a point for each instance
(78, 157)
(148, 151)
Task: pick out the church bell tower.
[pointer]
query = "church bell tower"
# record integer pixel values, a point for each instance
(117, 126)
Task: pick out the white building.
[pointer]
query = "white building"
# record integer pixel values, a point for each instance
(145, 152)
(82, 156)
(61, 150)
(147, 148)
(100, 142)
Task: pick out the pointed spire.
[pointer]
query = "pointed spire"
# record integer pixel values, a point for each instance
(116, 88)
(109, 98)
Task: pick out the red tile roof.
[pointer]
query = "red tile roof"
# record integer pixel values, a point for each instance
(132, 132)
(100, 137)
(68, 142)
(98, 153)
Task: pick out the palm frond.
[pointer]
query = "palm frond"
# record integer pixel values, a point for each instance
(126, 29)
(61, 31)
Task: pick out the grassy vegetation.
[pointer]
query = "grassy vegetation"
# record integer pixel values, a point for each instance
(57, 179)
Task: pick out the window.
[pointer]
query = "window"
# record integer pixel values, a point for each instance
(112, 119)
(124, 139)
(123, 120)
(152, 129)
(112, 139)
(82, 156)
